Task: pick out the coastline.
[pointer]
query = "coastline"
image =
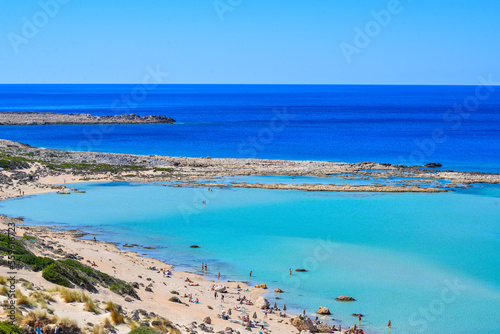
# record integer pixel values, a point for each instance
(32, 170)
(132, 267)
(53, 169)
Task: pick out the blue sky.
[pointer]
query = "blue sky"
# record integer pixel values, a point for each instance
(250, 41)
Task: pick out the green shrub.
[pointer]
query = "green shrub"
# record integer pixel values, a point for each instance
(52, 274)
(69, 273)
(7, 328)
(36, 263)
(144, 330)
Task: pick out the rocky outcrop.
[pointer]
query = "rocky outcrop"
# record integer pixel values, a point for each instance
(345, 299)
(48, 118)
(262, 303)
(323, 310)
(300, 270)
(220, 288)
(324, 328)
(303, 323)
(261, 286)
(433, 165)
(207, 320)
(278, 290)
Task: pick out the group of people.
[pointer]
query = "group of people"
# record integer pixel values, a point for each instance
(165, 272)
(39, 326)
(190, 297)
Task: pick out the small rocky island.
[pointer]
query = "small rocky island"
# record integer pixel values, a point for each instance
(50, 118)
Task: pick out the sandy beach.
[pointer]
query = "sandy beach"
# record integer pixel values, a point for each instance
(131, 267)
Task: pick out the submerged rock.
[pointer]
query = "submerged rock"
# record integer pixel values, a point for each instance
(345, 299)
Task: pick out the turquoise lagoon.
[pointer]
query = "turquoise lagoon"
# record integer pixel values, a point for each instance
(430, 263)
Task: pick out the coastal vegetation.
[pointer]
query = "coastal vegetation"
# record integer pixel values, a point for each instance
(8, 328)
(65, 272)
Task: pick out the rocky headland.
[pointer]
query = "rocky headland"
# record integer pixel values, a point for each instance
(50, 118)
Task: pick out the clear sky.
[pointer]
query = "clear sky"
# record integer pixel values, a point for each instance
(250, 41)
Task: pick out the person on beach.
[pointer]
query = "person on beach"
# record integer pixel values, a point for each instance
(206, 267)
(222, 298)
(215, 294)
(218, 276)
(95, 240)
(38, 326)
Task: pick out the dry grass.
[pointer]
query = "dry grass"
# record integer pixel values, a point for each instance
(132, 324)
(3, 280)
(110, 306)
(70, 326)
(24, 300)
(91, 306)
(3, 290)
(41, 297)
(117, 318)
(166, 326)
(27, 285)
(45, 318)
(97, 329)
(71, 296)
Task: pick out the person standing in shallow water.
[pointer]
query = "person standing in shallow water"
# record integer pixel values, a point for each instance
(218, 276)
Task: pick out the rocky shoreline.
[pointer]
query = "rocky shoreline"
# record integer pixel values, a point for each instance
(33, 170)
(49, 118)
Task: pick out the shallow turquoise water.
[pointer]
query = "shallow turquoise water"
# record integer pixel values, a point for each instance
(397, 254)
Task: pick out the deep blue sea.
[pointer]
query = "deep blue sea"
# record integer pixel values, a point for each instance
(430, 263)
(412, 125)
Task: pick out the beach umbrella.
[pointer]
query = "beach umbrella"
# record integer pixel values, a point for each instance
(229, 311)
(254, 315)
